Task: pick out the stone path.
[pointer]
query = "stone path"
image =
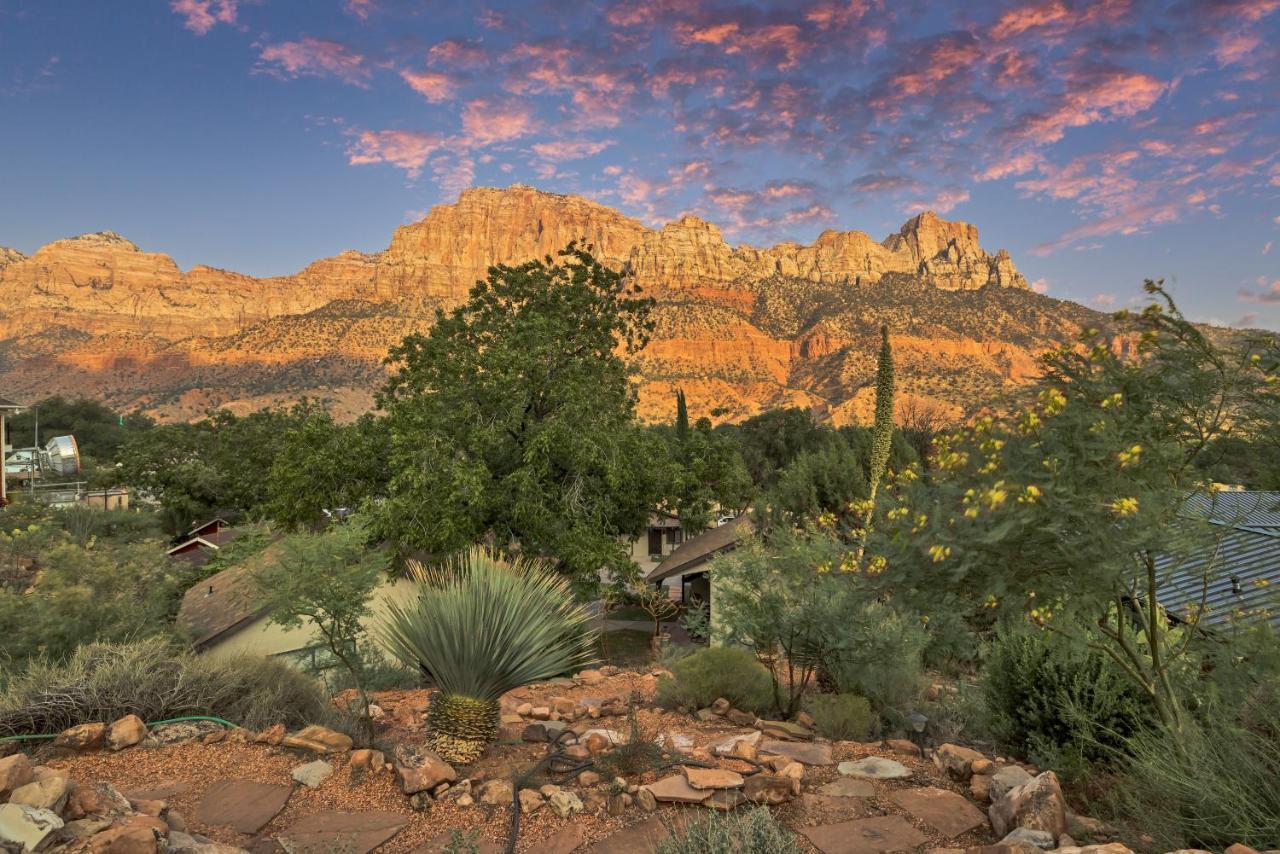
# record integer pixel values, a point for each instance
(865, 836)
(946, 812)
(348, 832)
(243, 805)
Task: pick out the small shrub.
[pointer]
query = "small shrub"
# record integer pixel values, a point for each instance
(639, 754)
(1216, 786)
(752, 832)
(103, 682)
(842, 717)
(697, 680)
(883, 659)
(1059, 703)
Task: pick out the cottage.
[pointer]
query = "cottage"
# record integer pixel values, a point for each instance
(224, 614)
(203, 541)
(684, 570)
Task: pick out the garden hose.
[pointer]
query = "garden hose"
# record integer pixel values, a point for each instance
(45, 735)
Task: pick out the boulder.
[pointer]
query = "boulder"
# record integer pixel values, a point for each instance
(496, 793)
(957, 761)
(419, 769)
(564, 803)
(725, 800)
(318, 739)
(530, 801)
(770, 789)
(368, 760)
(313, 774)
(729, 746)
(1042, 839)
(126, 838)
(100, 800)
(712, 778)
(647, 801)
(82, 737)
(51, 794)
(27, 828)
(721, 706)
(15, 772)
(740, 718)
(1036, 804)
(126, 732)
(271, 735)
(1004, 779)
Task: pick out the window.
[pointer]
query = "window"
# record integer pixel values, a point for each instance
(655, 542)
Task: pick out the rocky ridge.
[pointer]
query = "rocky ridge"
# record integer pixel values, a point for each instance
(740, 328)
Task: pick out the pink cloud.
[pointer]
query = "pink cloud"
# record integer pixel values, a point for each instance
(1234, 47)
(1053, 18)
(312, 57)
(406, 149)
(453, 173)
(949, 56)
(1127, 220)
(361, 9)
(1094, 96)
(432, 85)
(1016, 164)
(782, 44)
(486, 121)
(458, 53)
(570, 149)
(1266, 247)
(203, 15)
(839, 13)
(942, 202)
(1270, 296)
(1040, 286)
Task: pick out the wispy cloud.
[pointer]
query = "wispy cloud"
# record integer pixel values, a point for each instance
(408, 150)
(1269, 295)
(313, 57)
(432, 85)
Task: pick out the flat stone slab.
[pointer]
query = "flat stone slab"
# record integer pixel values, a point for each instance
(642, 837)
(313, 773)
(848, 787)
(806, 753)
(438, 843)
(676, 789)
(946, 812)
(712, 778)
(825, 809)
(165, 790)
(865, 836)
(874, 768)
(348, 832)
(564, 842)
(242, 805)
(724, 748)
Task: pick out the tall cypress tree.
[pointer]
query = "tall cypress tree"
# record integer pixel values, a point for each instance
(682, 417)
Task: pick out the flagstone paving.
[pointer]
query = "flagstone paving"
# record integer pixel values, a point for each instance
(946, 812)
(348, 832)
(243, 805)
(865, 836)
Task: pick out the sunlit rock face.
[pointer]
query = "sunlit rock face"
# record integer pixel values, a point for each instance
(739, 328)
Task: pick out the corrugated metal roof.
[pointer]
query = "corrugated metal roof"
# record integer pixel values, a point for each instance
(1242, 509)
(1242, 565)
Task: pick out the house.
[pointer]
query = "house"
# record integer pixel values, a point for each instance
(7, 408)
(1235, 575)
(684, 570)
(224, 615)
(204, 540)
(663, 535)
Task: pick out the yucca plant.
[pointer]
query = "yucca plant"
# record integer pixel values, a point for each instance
(481, 626)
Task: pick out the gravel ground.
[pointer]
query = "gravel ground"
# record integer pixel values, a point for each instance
(194, 767)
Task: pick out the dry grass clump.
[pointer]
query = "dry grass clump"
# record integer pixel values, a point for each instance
(105, 681)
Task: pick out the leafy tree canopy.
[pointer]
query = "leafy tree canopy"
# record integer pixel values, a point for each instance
(512, 419)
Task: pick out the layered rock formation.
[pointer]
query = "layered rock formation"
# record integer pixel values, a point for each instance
(740, 328)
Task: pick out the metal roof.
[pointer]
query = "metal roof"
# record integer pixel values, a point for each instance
(1238, 574)
(6, 403)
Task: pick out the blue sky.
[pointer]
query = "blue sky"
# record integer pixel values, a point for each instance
(1100, 142)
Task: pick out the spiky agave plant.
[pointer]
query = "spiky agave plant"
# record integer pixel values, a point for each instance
(481, 626)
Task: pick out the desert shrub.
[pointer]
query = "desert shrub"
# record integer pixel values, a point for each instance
(102, 682)
(1060, 703)
(882, 659)
(699, 679)
(480, 627)
(638, 754)
(841, 717)
(1215, 786)
(751, 832)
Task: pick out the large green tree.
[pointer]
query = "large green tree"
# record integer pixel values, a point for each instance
(512, 420)
(322, 465)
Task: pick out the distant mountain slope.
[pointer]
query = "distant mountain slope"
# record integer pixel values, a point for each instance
(740, 328)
